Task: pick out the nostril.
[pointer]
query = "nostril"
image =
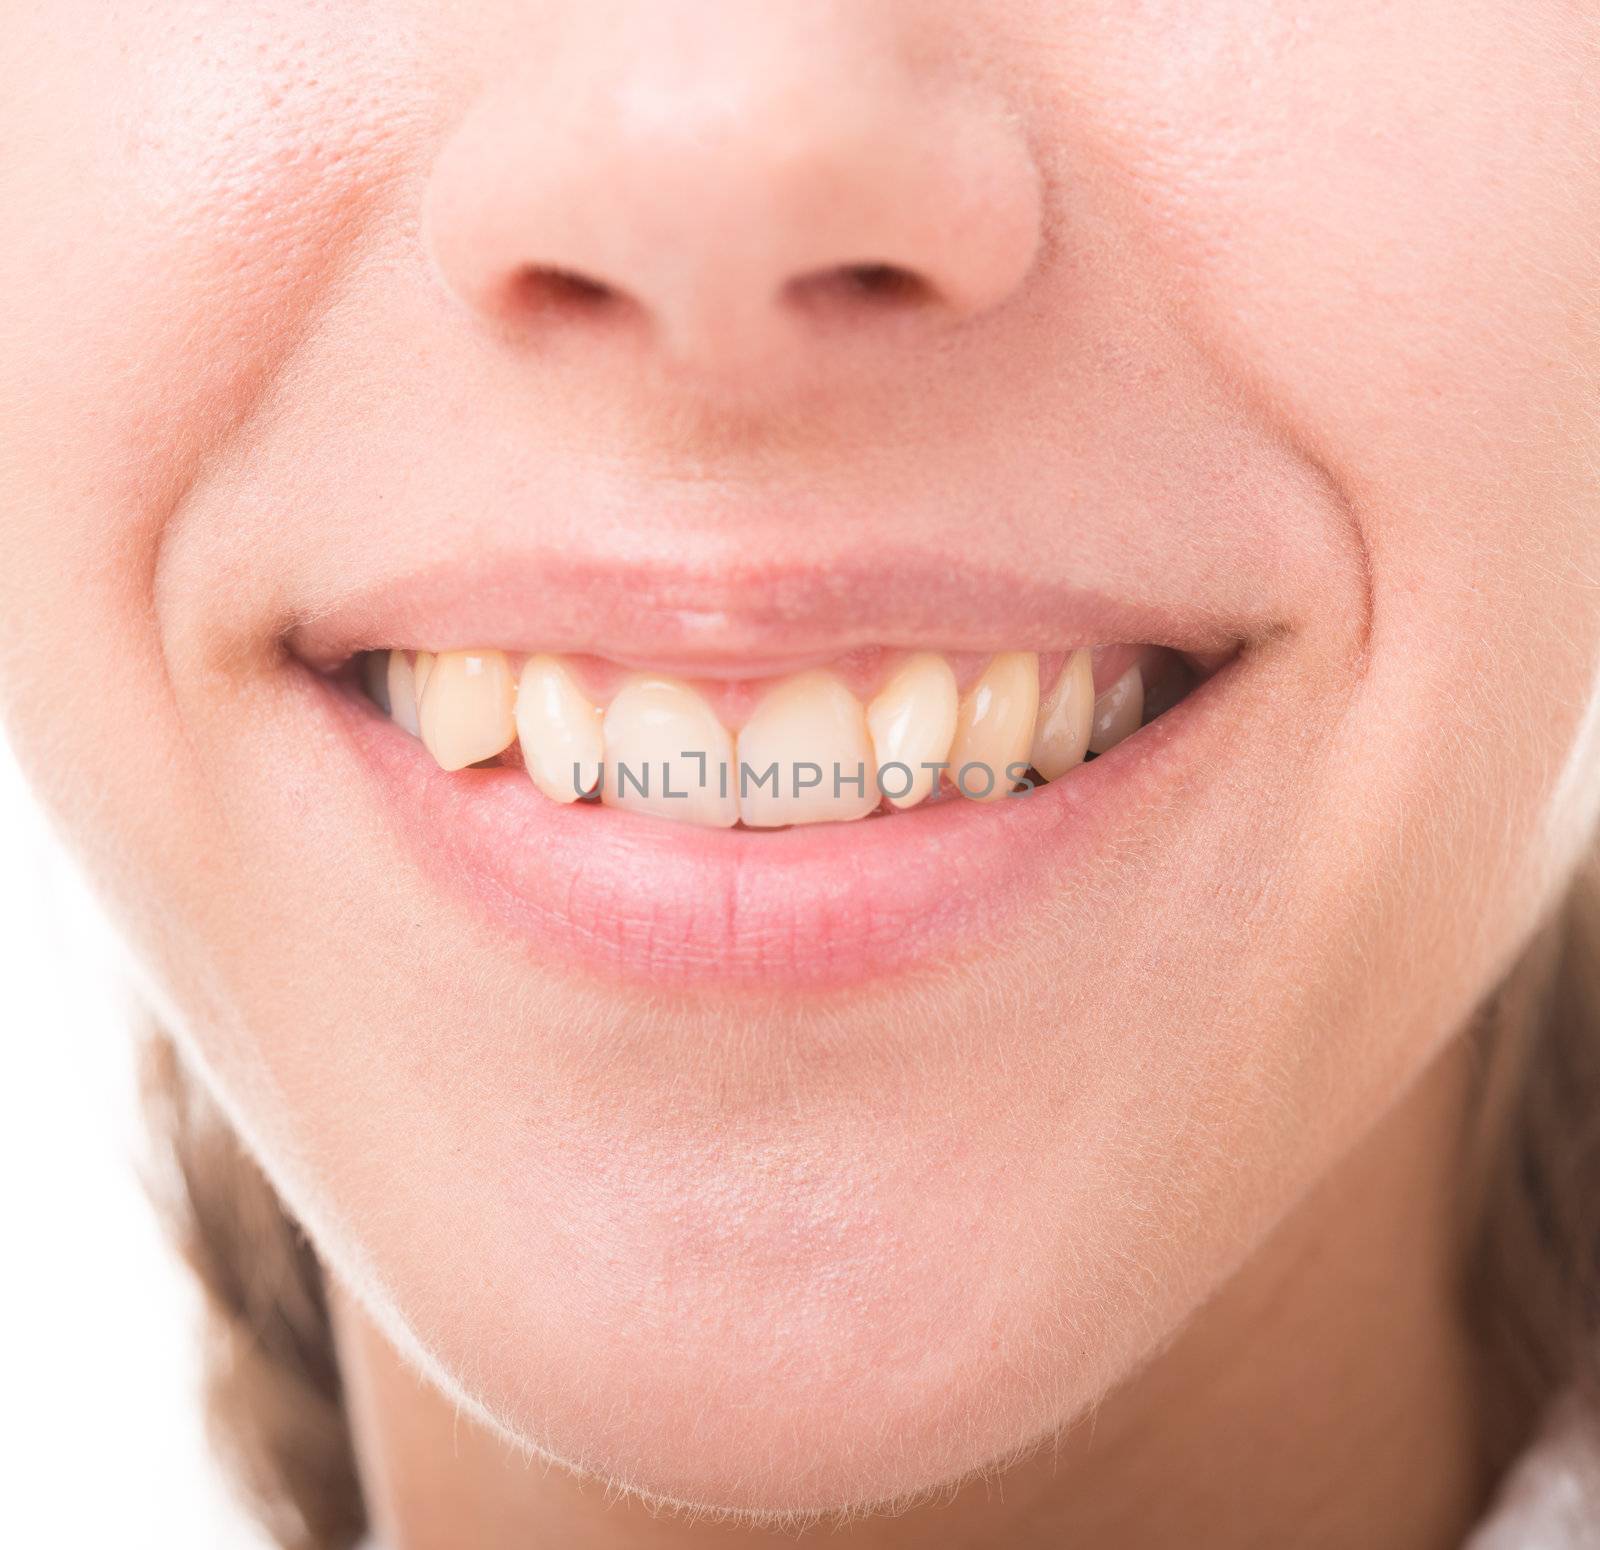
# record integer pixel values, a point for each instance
(887, 282)
(544, 289)
(847, 286)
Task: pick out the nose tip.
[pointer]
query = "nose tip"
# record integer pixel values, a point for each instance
(721, 224)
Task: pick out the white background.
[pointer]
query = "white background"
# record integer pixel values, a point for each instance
(98, 1356)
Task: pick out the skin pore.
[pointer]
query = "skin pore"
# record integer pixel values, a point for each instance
(1263, 332)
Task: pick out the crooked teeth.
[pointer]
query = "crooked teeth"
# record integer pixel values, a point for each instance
(467, 711)
(808, 754)
(1118, 712)
(994, 727)
(805, 756)
(667, 754)
(1066, 718)
(563, 744)
(913, 723)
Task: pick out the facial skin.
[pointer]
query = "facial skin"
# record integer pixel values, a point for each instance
(1280, 317)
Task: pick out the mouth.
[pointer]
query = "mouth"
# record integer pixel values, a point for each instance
(854, 815)
(691, 774)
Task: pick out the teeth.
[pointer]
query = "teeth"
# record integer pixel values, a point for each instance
(1118, 712)
(994, 727)
(666, 754)
(1066, 718)
(562, 742)
(811, 735)
(400, 683)
(808, 754)
(466, 713)
(913, 721)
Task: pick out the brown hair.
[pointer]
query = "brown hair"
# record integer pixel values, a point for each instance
(1534, 1273)
(276, 1407)
(274, 1402)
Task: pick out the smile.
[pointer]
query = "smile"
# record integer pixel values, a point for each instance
(871, 814)
(879, 734)
(807, 777)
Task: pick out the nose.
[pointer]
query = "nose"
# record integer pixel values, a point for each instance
(733, 178)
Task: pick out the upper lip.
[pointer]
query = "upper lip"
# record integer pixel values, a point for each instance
(709, 618)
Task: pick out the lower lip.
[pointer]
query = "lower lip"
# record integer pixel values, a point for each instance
(637, 899)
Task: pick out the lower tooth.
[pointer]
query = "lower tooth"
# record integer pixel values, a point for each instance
(1118, 712)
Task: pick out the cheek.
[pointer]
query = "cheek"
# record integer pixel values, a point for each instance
(1384, 221)
(178, 198)
(1383, 225)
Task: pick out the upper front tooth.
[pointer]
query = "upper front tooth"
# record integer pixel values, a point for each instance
(913, 720)
(667, 754)
(1118, 711)
(805, 756)
(467, 710)
(994, 727)
(1066, 718)
(562, 744)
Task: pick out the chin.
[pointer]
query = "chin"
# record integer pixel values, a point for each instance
(862, 1365)
(870, 1248)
